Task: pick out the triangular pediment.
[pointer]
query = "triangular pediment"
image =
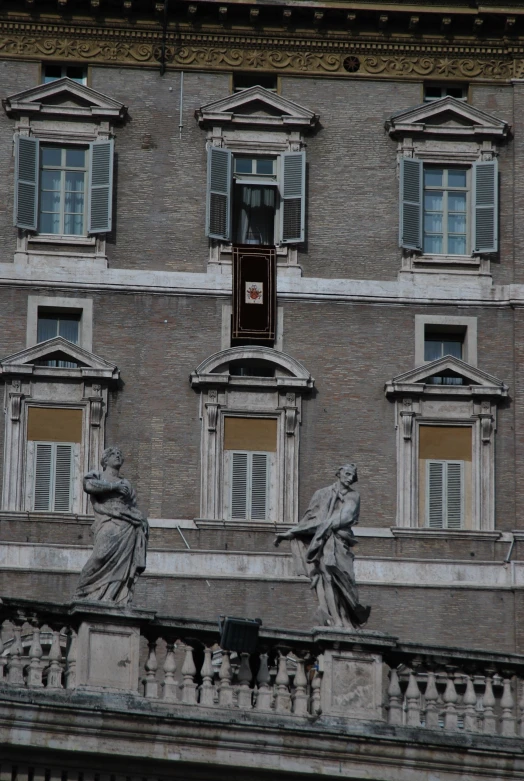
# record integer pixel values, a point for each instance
(64, 97)
(447, 116)
(256, 106)
(32, 360)
(475, 379)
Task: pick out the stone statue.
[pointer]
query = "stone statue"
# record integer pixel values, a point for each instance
(121, 534)
(321, 545)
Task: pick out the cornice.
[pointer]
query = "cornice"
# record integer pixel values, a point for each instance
(337, 53)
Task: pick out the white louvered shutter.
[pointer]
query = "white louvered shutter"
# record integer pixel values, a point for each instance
(63, 474)
(26, 182)
(485, 207)
(293, 200)
(259, 463)
(239, 485)
(454, 493)
(43, 476)
(100, 186)
(218, 201)
(435, 495)
(411, 197)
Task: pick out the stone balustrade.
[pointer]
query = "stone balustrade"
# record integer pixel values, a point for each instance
(326, 673)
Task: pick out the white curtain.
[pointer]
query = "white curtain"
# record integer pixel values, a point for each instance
(256, 224)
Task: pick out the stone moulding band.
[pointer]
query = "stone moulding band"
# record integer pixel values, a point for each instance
(283, 54)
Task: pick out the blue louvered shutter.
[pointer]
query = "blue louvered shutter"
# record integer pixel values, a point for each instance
(43, 476)
(293, 197)
(100, 186)
(239, 485)
(26, 182)
(445, 494)
(218, 201)
(485, 206)
(454, 494)
(62, 474)
(411, 195)
(259, 463)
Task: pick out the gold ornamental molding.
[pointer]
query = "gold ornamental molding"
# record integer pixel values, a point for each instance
(338, 55)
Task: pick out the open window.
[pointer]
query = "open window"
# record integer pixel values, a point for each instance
(445, 415)
(52, 71)
(250, 406)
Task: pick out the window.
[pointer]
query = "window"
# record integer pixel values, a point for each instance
(53, 472)
(446, 207)
(250, 445)
(437, 336)
(52, 182)
(264, 188)
(437, 91)
(58, 324)
(52, 72)
(249, 484)
(62, 203)
(242, 81)
(445, 494)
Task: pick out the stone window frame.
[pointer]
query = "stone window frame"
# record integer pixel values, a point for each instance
(278, 397)
(28, 384)
(84, 306)
(470, 335)
(420, 404)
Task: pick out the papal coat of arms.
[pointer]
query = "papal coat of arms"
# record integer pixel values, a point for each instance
(254, 293)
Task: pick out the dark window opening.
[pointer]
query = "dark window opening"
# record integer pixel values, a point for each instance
(437, 91)
(53, 72)
(243, 81)
(250, 367)
(446, 378)
(51, 324)
(254, 200)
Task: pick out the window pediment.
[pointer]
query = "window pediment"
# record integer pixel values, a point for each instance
(256, 106)
(475, 382)
(446, 117)
(64, 98)
(29, 361)
(215, 371)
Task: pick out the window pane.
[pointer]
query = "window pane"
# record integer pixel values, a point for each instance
(50, 180)
(452, 348)
(457, 223)
(264, 166)
(457, 245)
(52, 72)
(68, 328)
(73, 224)
(433, 92)
(256, 215)
(75, 158)
(75, 181)
(50, 201)
(76, 73)
(49, 223)
(457, 202)
(433, 245)
(432, 350)
(433, 201)
(243, 165)
(455, 92)
(433, 177)
(51, 156)
(47, 328)
(432, 223)
(456, 178)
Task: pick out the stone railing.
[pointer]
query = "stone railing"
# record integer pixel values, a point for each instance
(325, 673)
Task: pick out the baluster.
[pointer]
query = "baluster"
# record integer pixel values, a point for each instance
(521, 708)
(189, 693)
(316, 692)
(413, 701)
(54, 670)
(225, 690)
(470, 706)
(263, 689)
(169, 686)
(394, 699)
(151, 666)
(3, 660)
(507, 704)
(245, 695)
(15, 667)
(299, 696)
(431, 698)
(34, 674)
(450, 700)
(488, 701)
(207, 690)
(71, 659)
(282, 695)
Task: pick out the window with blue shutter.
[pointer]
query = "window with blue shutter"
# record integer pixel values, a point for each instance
(100, 187)
(445, 494)
(292, 193)
(53, 473)
(485, 207)
(411, 193)
(26, 182)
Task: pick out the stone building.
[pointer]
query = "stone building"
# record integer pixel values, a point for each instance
(250, 242)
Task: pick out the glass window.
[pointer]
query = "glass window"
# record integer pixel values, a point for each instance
(255, 204)
(53, 72)
(58, 324)
(62, 206)
(446, 202)
(437, 346)
(437, 91)
(243, 81)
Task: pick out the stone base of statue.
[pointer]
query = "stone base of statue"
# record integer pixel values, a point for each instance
(108, 646)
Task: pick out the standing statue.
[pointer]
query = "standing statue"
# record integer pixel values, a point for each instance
(321, 545)
(121, 534)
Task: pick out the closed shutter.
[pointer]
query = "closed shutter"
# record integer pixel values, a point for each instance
(218, 201)
(292, 192)
(53, 477)
(26, 182)
(485, 207)
(100, 186)
(249, 485)
(445, 494)
(411, 195)
(43, 471)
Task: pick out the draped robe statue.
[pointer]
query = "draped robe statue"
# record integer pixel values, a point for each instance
(321, 545)
(121, 533)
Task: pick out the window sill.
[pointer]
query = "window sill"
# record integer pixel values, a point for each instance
(424, 532)
(50, 238)
(447, 260)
